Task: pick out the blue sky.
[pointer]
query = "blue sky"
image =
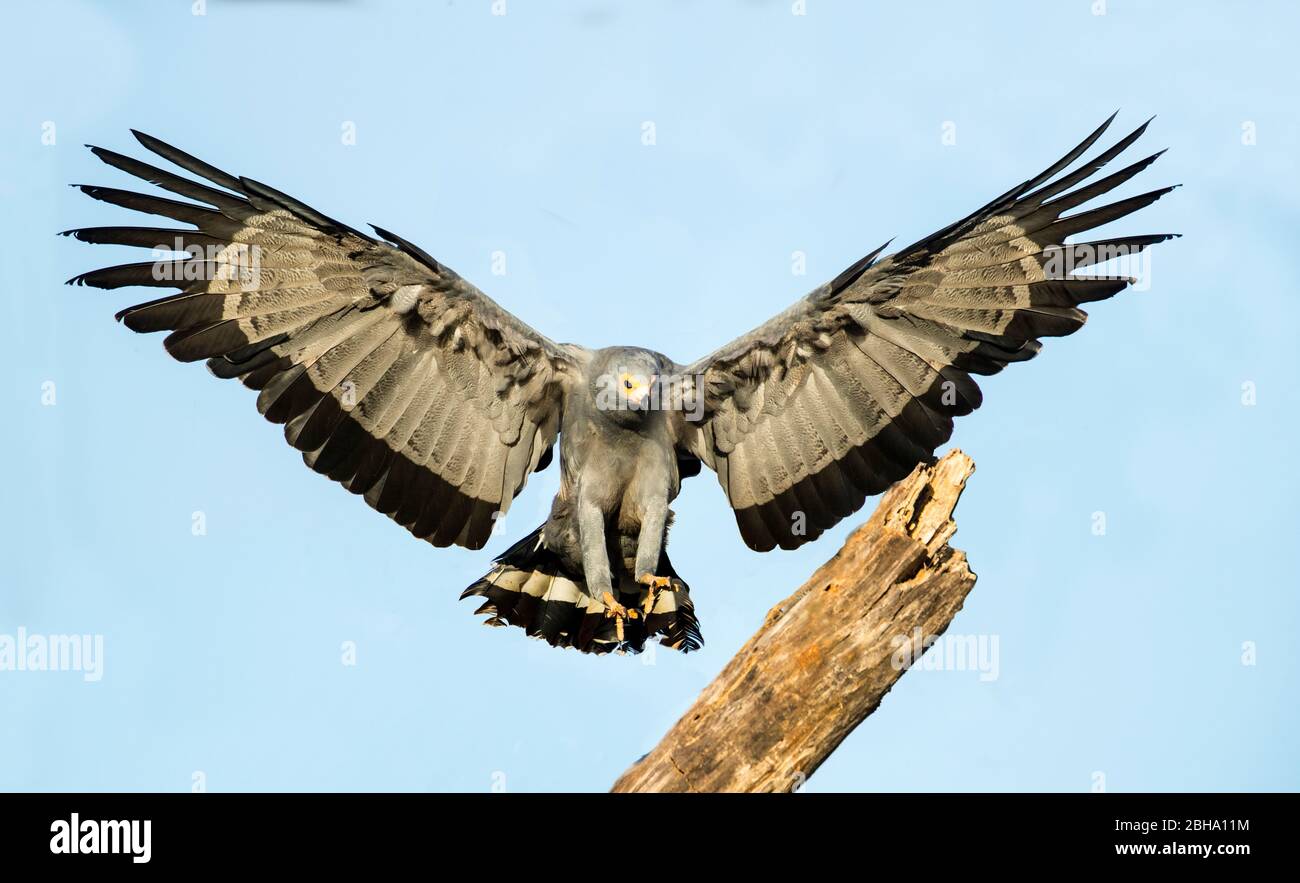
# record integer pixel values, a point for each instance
(1120, 655)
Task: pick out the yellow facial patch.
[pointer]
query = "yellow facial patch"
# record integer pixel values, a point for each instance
(634, 386)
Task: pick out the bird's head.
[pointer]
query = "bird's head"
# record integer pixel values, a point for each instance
(626, 384)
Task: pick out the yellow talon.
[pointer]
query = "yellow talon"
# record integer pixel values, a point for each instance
(618, 612)
(656, 585)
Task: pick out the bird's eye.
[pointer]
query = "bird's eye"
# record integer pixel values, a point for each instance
(627, 384)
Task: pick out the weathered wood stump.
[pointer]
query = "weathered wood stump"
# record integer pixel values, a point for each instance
(824, 657)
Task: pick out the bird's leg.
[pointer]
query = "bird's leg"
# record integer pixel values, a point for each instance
(595, 563)
(649, 547)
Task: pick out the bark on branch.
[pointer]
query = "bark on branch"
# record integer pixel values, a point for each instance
(827, 655)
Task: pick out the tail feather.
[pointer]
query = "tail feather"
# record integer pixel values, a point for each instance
(530, 587)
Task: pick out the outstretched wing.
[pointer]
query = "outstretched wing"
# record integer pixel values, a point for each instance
(845, 392)
(391, 374)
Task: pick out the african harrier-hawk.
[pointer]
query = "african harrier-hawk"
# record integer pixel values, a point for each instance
(410, 387)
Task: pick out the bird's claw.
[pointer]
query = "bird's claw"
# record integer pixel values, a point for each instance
(618, 613)
(656, 584)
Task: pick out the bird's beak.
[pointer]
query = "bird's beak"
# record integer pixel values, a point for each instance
(639, 396)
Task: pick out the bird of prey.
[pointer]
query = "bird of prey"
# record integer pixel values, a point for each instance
(410, 387)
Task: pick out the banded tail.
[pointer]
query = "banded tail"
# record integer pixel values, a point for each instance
(530, 587)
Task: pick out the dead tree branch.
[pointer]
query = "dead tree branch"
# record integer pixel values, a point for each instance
(825, 657)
